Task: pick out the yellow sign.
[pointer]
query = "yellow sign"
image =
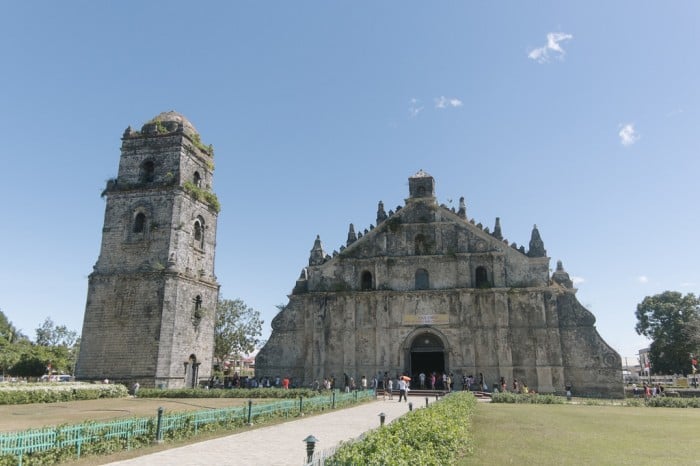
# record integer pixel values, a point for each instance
(426, 319)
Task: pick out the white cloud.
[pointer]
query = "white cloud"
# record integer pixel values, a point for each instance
(414, 109)
(553, 47)
(643, 279)
(577, 280)
(628, 135)
(688, 285)
(444, 102)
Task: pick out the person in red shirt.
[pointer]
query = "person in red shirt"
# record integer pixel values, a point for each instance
(285, 383)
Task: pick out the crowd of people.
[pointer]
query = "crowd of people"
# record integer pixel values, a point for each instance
(424, 380)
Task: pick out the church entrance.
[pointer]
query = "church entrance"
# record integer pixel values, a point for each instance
(427, 356)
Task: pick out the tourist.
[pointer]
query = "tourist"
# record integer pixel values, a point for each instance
(432, 381)
(515, 386)
(389, 389)
(402, 389)
(421, 376)
(503, 384)
(363, 383)
(285, 383)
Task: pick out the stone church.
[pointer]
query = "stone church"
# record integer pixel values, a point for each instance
(428, 289)
(152, 295)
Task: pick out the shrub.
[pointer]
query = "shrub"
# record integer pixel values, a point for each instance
(507, 397)
(55, 392)
(429, 436)
(226, 393)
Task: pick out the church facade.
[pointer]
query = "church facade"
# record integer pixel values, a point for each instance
(429, 290)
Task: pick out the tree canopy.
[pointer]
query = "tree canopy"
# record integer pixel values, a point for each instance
(237, 328)
(667, 319)
(56, 347)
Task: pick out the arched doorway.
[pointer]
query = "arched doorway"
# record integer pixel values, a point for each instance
(427, 356)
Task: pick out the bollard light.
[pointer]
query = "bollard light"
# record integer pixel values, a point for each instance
(410, 406)
(310, 444)
(426, 401)
(382, 418)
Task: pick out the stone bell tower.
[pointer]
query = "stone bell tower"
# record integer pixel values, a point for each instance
(152, 295)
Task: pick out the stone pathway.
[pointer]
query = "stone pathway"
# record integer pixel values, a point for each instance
(282, 444)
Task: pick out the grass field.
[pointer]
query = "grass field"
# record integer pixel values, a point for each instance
(583, 435)
(21, 417)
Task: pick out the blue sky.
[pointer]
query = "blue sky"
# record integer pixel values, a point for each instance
(580, 117)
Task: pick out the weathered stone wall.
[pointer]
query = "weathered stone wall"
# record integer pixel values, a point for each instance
(426, 271)
(514, 334)
(152, 296)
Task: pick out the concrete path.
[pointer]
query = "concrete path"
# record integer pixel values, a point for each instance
(283, 444)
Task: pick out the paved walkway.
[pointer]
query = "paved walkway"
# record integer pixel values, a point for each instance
(283, 444)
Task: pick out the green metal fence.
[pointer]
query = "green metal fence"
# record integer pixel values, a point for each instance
(127, 431)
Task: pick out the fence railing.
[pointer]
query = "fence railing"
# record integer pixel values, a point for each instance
(133, 432)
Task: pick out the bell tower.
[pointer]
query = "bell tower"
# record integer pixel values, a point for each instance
(152, 295)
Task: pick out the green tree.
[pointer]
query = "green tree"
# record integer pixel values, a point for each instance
(11, 344)
(666, 319)
(61, 345)
(50, 334)
(8, 332)
(237, 328)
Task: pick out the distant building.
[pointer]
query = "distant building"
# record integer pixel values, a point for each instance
(428, 290)
(152, 295)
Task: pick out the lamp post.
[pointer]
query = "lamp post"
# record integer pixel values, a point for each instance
(382, 418)
(310, 444)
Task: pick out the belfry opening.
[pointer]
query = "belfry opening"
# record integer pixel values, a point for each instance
(427, 354)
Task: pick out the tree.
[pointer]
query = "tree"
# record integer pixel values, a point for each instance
(61, 345)
(8, 332)
(237, 328)
(50, 334)
(666, 319)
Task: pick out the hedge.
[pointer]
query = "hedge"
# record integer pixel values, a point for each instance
(58, 391)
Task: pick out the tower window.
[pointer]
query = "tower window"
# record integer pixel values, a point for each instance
(199, 232)
(197, 179)
(147, 172)
(139, 222)
(482, 278)
(366, 281)
(422, 279)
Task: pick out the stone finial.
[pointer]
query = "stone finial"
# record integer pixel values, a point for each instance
(497, 229)
(128, 132)
(352, 237)
(391, 212)
(536, 244)
(381, 214)
(462, 212)
(317, 255)
(560, 276)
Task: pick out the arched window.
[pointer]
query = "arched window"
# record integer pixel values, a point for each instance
(420, 245)
(199, 232)
(366, 281)
(147, 172)
(197, 179)
(482, 278)
(139, 222)
(422, 279)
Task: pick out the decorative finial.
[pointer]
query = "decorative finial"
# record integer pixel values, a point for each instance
(352, 237)
(462, 212)
(497, 229)
(560, 276)
(381, 214)
(317, 255)
(536, 244)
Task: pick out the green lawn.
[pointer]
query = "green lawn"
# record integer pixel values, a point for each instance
(578, 435)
